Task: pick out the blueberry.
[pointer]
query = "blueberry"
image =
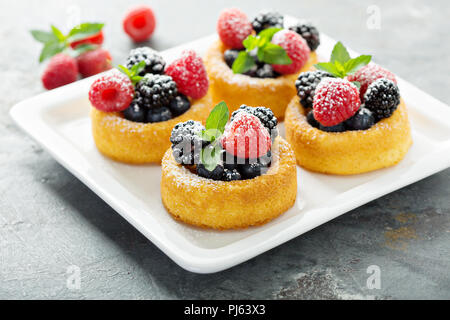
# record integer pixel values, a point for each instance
(231, 175)
(337, 128)
(311, 120)
(230, 55)
(216, 174)
(179, 105)
(265, 71)
(252, 71)
(250, 170)
(159, 114)
(362, 120)
(135, 113)
(266, 159)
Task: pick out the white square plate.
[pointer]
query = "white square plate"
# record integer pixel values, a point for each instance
(59, 121)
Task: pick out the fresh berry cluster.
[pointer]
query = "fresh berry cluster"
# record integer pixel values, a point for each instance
(234, 27)
(153, 94)
(243, 151)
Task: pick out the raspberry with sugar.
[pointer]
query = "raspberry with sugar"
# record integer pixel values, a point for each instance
(296, 48)
(368, 74)
(233, 27)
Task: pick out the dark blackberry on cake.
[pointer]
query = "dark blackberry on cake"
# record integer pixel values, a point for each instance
(308, 32)
(267, 19)
(382, 98)
(186, 143)
(154, 62)
(155, 91)
(306, 84)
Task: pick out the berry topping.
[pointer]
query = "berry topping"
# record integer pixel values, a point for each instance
(96, 39)
(335, 101)
(296, 48)
(265, 115)
(308, 32)
(251, 170)
(112, 92)
(267, 19)
(216, 174)
(179, 105)
(155, 90)
(233, 27)
(362, 120)
(135, 113)
(154, 62)
(61, 70)
(266, 71)
(368, 74)
(306, 85)
(186, 143)
(159, 114)
(190, 74)
(231, 175)
(139, 23)
(230, 55)
(337, 128)
(382, 98)
(311, 120)
(246, 137)
(93, 62)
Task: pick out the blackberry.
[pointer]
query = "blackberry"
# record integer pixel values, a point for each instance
(155, 90)
(311, 120)
(186, 144)
(216, 174)
(308, 32)
(382, 98)
(135, 112)
(159, 114)
(362, 120)
(154, 62)
(306, 84)
(267, 19)
(179, 105)
(230, 55)
(231, 175)
(265, 115)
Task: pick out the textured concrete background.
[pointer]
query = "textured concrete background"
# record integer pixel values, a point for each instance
(49, 220)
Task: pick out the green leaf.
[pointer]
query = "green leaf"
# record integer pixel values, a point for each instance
(84, 30)
(50, 49)
(243, 63)
(339, 54)
(58, 34)
(218, 118)
(268, 33)
(357, 84)
(273, 54)
(124, 70)
(328, 67)
(211, 156)
(353, 65)
(138, 68)
(250, 42)
(43, 36)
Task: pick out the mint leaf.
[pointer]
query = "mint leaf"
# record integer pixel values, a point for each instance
(339, 54)
(273, 54)
(250, 42)
(353, 65)
(133, 73)
(138, 68)
(268, 33)
(328, 67)
(84, 30)
(58, 34)
(218, 118)
(243, 63)
(211, 156)
(50, 49)
(43, 36)
(357, 84)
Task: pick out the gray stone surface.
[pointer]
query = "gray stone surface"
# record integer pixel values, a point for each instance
(49, 220)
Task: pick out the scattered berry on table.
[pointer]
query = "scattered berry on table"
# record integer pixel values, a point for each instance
(135, 113)
(179, 105)
(231, 175)
(159, 114)
(335, 101)
(267, 19)
(155, 90)
(154, 62)
(93, 62)
(382, 98)
(139, 23)
(308, 32)
(368, 74)
(96, 39)
(265, 115)
(61, 70)
(216, 174)
(233, 27)
(189, 73)
(362, 120)
(186, 144)
(112, 92)
(306, 84)
(296, 48)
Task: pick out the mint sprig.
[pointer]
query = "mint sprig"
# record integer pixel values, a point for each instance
(215, 126)
(56, 42)
(133, 72)
(341, 64)
(266, 51)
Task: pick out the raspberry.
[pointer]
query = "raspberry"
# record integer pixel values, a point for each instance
(93, 62)
(265, 115)
(335, 101)
(62, 69)
(111, 92)
(306, 83)
(139, 23)
(246, 137)
(189, 73)
(233, 27)
(296, 48)
(368, 74)
(94, 39)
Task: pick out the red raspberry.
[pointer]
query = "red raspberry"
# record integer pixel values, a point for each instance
(139, 23)
(296, 48)
(62, 69)
(335, 101)
(189, 73)
(94, 39)
(93, 62)
(111, 92)
(368, 74)
(233, 27)
(246, 137)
